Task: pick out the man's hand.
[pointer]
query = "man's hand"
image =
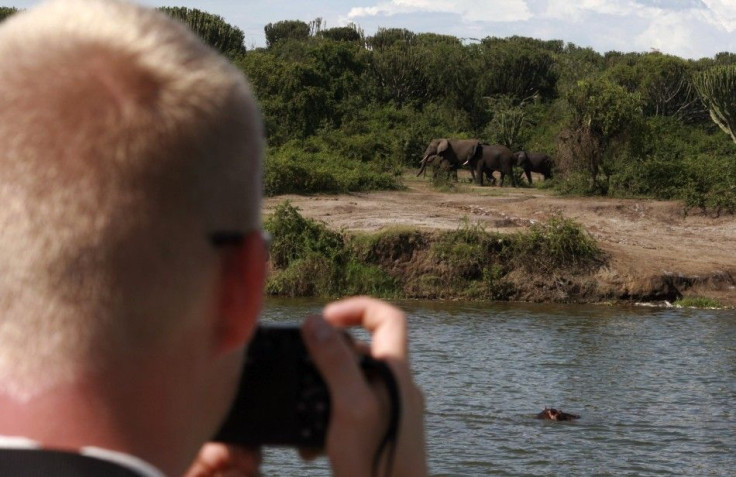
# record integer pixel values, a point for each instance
(360, 411)
(222, 460)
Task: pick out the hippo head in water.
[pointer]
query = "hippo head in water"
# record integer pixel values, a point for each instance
(552, 414)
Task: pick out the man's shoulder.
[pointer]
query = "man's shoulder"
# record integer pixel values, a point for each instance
(34, 462)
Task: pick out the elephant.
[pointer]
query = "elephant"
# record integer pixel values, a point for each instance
(493, 157)
(439, 164)
(534, 162)
(552, 414)
(450, 154)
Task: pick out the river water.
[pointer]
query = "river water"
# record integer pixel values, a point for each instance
(656, 389)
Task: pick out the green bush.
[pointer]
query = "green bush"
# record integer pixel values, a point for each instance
(468, 263)
(698, 302)
(682, 162)
(472, 263)
(330, 166)
(363, 279)
(294, 237)
(308, 276)
(463, 250)
(711, 184)
(311, 260)
(558, 243)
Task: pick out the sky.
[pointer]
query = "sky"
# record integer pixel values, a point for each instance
(685, 28)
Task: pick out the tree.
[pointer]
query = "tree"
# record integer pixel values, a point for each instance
(519, 67)
(575, 63)
(387, 37)
(663, 82)
(286, 30)
(508, 120)
(292, 95)
(717, 89)
(451, 73)
(212, 29)
(5, 12)
(351, 33)
(603, 118)
(399, 72)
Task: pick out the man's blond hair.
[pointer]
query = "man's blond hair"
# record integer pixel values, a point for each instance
(124, 142)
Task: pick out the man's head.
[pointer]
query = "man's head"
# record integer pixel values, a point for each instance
(124, 144)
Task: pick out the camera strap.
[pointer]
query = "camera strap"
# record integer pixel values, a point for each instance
(388, 443)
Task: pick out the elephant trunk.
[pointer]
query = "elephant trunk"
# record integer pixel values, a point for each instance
(423, 165)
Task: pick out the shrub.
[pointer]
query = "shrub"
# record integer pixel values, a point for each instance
(467, 263)
(711, 184)
(698, 302)
(330, 166)
(311, 260)
(363, 279)
(471, 258)
(558, 243)
(293, 237)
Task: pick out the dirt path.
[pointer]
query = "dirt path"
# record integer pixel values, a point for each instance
(643, 237)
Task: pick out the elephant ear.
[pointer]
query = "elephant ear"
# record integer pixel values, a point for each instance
(442, 146)
(477, 149)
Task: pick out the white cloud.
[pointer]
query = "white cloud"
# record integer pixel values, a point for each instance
(722, 13)
(469, 10)
(670, 33)
(577, 11)
(687, 28)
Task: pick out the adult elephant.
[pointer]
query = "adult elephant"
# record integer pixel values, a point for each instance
(534, 162)
(440, 165)
(450, 154)
(493, 157)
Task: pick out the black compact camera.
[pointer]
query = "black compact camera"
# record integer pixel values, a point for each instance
(282, 398)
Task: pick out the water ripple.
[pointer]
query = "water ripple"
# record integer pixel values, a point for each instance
(655, 389)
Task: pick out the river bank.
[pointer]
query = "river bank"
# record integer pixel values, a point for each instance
(653, 251)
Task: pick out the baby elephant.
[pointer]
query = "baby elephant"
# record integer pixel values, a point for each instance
(534, 162)
(552, 414)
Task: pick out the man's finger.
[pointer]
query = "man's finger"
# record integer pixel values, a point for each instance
(386, 324)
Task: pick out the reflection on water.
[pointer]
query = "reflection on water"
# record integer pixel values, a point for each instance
(655, 388)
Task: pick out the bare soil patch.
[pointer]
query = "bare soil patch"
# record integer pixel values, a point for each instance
(650, 244)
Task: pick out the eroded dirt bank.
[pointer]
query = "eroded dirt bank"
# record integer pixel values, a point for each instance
(654, 251)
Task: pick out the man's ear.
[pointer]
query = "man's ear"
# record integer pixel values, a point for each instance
(242, 281)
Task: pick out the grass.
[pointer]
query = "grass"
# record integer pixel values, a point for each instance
(311, 260)
(468, 263)
(557, 243)
(698, 302)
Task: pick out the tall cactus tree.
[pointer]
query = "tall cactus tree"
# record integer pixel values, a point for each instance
(211, 28)
(717, 89)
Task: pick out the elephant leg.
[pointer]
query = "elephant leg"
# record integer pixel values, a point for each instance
(528, 174)
(493, 179)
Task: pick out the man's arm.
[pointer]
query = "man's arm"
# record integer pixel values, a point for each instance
(359, 410)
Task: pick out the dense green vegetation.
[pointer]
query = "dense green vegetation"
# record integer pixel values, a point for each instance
(468, 263)
(345, 111)
(311, 260)
(6, 12)
(698, 302)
